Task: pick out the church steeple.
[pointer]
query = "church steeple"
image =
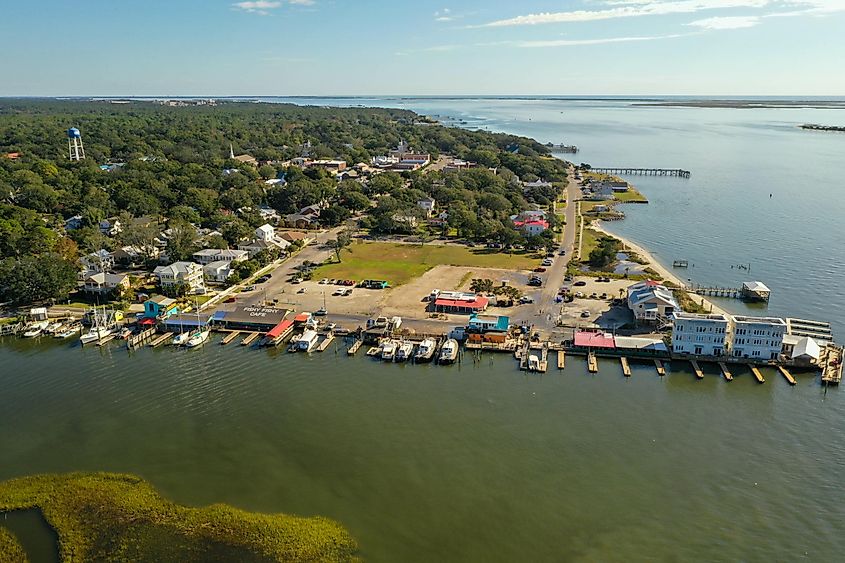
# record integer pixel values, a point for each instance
(231, 151)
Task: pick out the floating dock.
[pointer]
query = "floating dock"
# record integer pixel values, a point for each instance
(354, 348)
(592, 363)
(697, 369)
(561, 359)
(626, 369)
(229, 337)
(321, 347)
(757, 375)
(658, 365)
(250, 338)
(785, 373)
(159, 340)
(831, 362)
(725, 371)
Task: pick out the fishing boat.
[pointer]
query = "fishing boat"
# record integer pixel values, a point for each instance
(198, 337)
(35, 329)
(68, 331)
(404, 351)
(103, 324)
(449, 352)
(388, 350)
(307, 341)
(425, 351)
(53, 328)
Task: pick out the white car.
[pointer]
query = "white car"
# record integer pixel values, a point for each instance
(324, 281)
(547, 262)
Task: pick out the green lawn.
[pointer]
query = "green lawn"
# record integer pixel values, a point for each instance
(632, 196)
(400, 263)
(590, 242)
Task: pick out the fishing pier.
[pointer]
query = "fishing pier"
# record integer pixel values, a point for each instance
(750, 291)
(673, 172)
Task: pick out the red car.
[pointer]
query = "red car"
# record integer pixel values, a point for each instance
(540, 269)
(230, 300)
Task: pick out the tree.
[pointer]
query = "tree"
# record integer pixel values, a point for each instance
(344, 239)
(37, 278)
(142, 236)
(182, 242)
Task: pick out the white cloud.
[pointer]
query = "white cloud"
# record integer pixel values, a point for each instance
(726, 22)
(263, 7)
(444, 15)
(576, 42)
(628, 9)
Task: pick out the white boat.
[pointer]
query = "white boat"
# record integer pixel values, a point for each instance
(35, 329)
(67, 332)
(404, 351)
(533, 363)
(198, 337)
(449, 352)
(95, 335)
(388, 350)
(307, 341)
(425, 352)
(54, 328)
(182, 338)
(103, 324)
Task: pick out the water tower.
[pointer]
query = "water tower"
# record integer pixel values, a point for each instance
(74, 144)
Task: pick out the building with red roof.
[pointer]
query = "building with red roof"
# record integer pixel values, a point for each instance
(589, 339)
(464, 306)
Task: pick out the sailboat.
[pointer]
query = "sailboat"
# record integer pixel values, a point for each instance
(101, 327)
(199, 336)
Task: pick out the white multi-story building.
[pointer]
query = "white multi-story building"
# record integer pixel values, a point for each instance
(187, 273)
(699, 335)
(651, 302)
(759, 338)
(209, 255)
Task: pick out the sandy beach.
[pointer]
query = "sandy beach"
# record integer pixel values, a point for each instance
(655, 265)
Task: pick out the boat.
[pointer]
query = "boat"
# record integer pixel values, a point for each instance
(125, 333)
(307, 341)
(95, 334)
(533, 362)
(35, 329)
(388, 350)
(182, 338)
(425, 351)
(68, 331)
(449, 352)
(54, 328)
(404, 351)
(198, 337)
(103, 324)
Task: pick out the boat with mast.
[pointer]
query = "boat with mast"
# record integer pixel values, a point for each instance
(103, 324)
(199, 336)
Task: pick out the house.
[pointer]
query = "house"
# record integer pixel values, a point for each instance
(110, 227)
(407, 220)
(802, 349)
(210, 255)
(487, 323)
(533, 227)
(758, 338)
(602, 189)
(187, 273)
(160, 307)
(219, 271)
(699, 335)
(101, 282)
(651, 302)
(265, 239)
(457, 164)
(293, 236)
(755, 291)
(135, 255)
(458, 302)
(331, 165)
(300, 221)
(427, 205)
(73, 223)
(536, 184)
(100, 261)
(12, 155)
(270, 215)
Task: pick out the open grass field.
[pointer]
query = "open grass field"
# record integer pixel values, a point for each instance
(111, 517)
(400, 263)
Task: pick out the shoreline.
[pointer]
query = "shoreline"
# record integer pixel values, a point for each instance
(655, 265)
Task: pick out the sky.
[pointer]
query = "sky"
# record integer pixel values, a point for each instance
(381, 47)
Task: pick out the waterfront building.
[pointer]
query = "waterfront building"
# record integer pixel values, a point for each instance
(758, 338)
(699, 335)
(209, 255)
(187, 273)
(651, 302)
(593, 339)
(251, 317)
(487, 323)
(160, 307)
(102, 282)
(817, 330)
(459, 303)
(801, 349)
(755, 291)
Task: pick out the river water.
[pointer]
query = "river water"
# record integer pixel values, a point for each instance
(480, 462)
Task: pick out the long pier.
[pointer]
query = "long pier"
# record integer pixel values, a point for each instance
(676, 172)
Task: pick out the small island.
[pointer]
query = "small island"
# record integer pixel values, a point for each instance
(116, 517)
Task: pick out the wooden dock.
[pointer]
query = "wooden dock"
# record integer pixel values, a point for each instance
(250, 338)
(321, 347)
(757, 375)
(725, 371)
(831, 363)
(785, 373)
(137, 340)
(106, 339)
(676, 172)
(229, 337)
(592, 363)
(354, 348)
(697, 369)
(626, 369)
(159, 340)
(561, 359)
(658, 365)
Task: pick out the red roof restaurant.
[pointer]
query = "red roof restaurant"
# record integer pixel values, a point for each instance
(461, 306)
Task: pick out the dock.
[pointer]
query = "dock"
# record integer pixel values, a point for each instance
(661, 371)
(697, 369)
(676, 172)
(321, 347)
(161, 339)
(831, 363)
(135, 341)
(725, 371)
(229, 337)
(373, 351)
(757, 375)
(788, 376)
(626, 369)
(354, 348)
(561, 359)
(250, 338)
(592, 363)
(106, 339)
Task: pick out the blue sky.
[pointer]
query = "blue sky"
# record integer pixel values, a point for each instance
(342, 47)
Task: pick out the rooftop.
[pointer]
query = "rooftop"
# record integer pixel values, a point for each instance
(589, 339)
(760, 320)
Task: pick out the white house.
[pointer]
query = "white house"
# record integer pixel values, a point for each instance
(802, 349)
(100, 261)
(427, 205)
(187, 273)
(265, 239)
(209, 255)
(536, 184)
(757, 337)
(103, 282)
(651, 302)
(219, 271)
(700, 335)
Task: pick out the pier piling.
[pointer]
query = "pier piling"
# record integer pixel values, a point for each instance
(725, 371)
(626, 369)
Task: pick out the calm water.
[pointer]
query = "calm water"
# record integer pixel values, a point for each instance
(461, 463)
(484, 463)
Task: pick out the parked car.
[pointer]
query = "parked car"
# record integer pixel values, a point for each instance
(567, 279)
(539, 269)
(230, 300)
(324, 281)
(579, 295)
(547, 262)
(301, 290)
(296, 280)
(321, 312)
(525, 299)
(585, 314)
(249, 288)
(562, 252)
(349, 282)
(535, 282)
(580, 283)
